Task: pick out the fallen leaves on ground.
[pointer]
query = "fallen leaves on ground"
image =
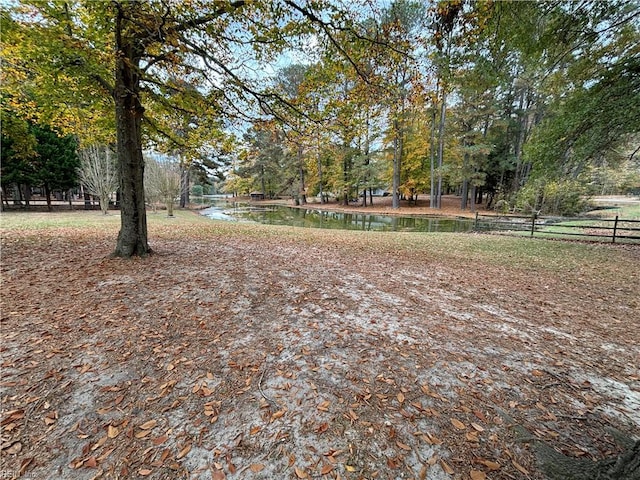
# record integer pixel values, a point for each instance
(240, 353)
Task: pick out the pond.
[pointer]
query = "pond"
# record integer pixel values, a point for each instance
(315, 218)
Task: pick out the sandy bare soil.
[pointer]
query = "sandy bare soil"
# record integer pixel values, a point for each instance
(324, 355)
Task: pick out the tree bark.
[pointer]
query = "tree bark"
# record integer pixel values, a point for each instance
(185, 180)
(303, 189)
(443, 110)
(132, 239)
(397, 152)
(47, 193)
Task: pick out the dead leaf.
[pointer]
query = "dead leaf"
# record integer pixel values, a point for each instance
(323, 427)
(326, 469)
(520, 467)
(170, 367)
(112, 432)
(90, 462)
(490, 465)
(51, 418)
(13, 448)
(99, 443)
(447, 469)
(300, 473)
(160, 440)
(458, 424)
(143, 472)
(218, 475)
(477, 475)
(472, 436)
(142, 433)
(480, 416)
(277, 415)
(324, 406)
(105, 454)
(403, 446)
(477, 427)
(149, 425)
(256, 467)
(349, 468)
(24, 465)
(184, 451)
(423, 472)
(400, 398)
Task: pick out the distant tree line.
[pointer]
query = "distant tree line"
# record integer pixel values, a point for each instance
(528, 106)
(517, 105)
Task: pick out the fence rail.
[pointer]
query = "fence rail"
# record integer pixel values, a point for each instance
(597, 229)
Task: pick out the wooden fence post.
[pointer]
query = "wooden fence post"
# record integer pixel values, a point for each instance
(533, 223)
(615, 227)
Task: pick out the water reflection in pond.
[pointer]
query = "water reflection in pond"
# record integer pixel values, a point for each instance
(313, 218)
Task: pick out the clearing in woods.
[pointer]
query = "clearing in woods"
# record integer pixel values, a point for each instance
(247, 351)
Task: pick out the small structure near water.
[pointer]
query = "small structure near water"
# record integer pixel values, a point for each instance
(256, 196)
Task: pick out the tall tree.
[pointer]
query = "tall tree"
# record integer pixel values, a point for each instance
(56, 161)
(98, 173)
(137, 45)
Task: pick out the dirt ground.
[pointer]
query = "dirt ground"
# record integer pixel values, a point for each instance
(337, 356)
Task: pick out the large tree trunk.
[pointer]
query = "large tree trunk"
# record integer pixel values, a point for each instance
(132, 239)
(185, 180)
(397, 152)
(432, 150)
(443, 109)
(303, 189)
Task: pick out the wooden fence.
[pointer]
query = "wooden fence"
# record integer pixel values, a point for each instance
(583, 228)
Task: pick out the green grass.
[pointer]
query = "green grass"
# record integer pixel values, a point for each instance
(525, 253)
(15, 220)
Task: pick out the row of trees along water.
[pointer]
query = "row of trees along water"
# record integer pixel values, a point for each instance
(520, 105)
